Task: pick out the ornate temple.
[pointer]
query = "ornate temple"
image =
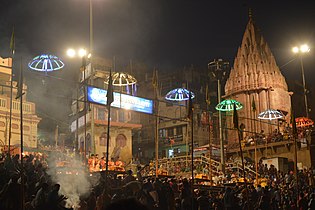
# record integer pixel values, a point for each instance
(256, 81)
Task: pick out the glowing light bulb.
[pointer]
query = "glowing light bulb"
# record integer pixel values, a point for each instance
(82, 52)
(304, 48)
(295, 50)
(71, 52)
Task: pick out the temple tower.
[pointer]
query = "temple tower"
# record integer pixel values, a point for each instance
(256, 79)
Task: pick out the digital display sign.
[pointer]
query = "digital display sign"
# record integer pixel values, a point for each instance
(97, 95)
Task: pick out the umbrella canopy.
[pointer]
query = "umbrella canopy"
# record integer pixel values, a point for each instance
(228, 105)
(121, 79)
(270, 114)
(179, 94)
(46, 63)
(303, 122)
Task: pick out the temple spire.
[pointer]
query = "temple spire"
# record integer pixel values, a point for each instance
(250, 13)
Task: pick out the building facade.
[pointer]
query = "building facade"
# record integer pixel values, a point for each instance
(90, 120)
(174, 127)
(30, 119)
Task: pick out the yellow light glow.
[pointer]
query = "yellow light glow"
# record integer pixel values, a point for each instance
(304, 48)
(295, 50)
(71, 53)
(82, 52)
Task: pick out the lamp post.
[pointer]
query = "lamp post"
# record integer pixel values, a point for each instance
(82, 53)
(301, 51)
(219, 69)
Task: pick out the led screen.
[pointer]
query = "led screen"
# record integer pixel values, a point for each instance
(97, 95)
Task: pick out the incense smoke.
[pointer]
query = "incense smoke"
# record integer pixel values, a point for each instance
(72, 176)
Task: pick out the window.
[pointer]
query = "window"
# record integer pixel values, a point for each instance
(101, 113)
(121, 115)
(170, 132)
(26, 108)
(2, 102)
(15, 126)
(179, 130)
(169, 104)
(113, 115)
(176, 150)
(15, 106)
(162, 133)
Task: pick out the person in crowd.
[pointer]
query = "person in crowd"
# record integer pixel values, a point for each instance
(126, 204)
(40, 200)
(129, 178)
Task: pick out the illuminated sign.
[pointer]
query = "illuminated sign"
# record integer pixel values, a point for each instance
(97, 95)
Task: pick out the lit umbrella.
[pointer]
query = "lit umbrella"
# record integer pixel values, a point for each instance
(179, 94)
(121, 79)
(46, 63)
(303, 122)
(228, 105)
(270, 114)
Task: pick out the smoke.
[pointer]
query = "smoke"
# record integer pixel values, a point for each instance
(73, 177)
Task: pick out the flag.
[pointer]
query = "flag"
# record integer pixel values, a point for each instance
(207, 95)
(190, 106)
(20, 83)
(12, 43)
(110, 93)
(155, 79)
(294, 129)
(56, 135)
(235, 117)
(254, 105)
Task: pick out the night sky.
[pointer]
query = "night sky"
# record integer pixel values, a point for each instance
(166, 34)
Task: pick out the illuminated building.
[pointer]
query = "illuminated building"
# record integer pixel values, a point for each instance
(123, 122)
(256, 78)
(257, 82)
(30, 119)
(174, 128)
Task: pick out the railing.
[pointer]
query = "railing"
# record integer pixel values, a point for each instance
(180, 165)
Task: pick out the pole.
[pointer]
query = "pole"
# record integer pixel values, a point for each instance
(304, 87)
(295, 167)
(85, 108)
(92, 74)
(10, 118)
(56, 135)
(91, 27)
(107, 145)
(256, 157)
(255, 139)
(192, 152)
(210, 147)
(77, 119)
(20, 95)
(221, 131)
(11, 100)
(156, 133)
(243, 165)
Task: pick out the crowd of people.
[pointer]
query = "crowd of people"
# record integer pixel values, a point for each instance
(99, 164)
(280, 191)
(262, 138)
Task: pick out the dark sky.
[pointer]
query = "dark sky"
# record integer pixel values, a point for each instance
(163, 33)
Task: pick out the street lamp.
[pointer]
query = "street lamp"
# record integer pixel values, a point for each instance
(82, 53)
(301, 51)
(219, 69)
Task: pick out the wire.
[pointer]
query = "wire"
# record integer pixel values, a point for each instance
(53, 118)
